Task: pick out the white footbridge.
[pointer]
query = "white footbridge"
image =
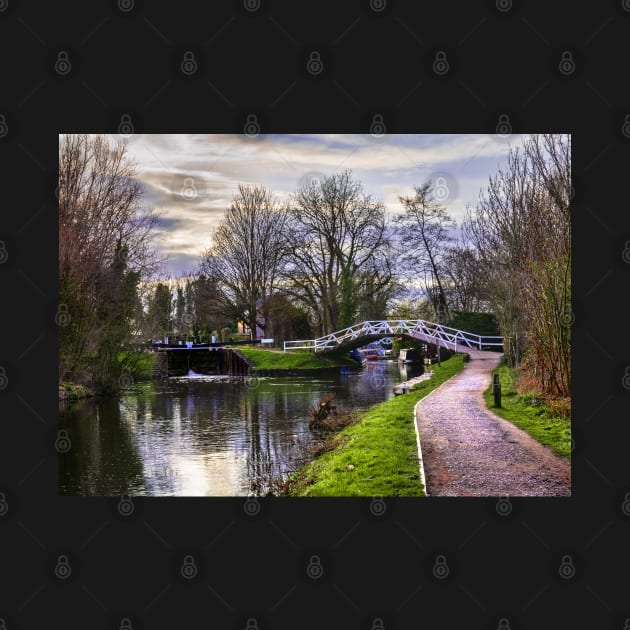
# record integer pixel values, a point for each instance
(420, 329)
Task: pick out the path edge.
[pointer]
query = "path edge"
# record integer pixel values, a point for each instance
(423, 478)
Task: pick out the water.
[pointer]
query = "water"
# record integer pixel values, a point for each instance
(205, 435)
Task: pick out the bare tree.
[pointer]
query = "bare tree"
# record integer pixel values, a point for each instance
(105, 234)
(521, 232)
(423, 230)
(337, 233)
(248, 248)
(463, 284)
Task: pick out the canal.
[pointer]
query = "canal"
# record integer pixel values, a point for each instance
(206, 435)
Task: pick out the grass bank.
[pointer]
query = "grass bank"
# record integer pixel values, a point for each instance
(138, 364)
(295, 360)
(378, 454)
(527, 411)
(133, 366)
(74, 391)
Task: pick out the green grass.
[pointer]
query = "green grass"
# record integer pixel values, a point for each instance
(527, 413)
(139, 364)
(73, 391)
(381, 446)
(296, 360)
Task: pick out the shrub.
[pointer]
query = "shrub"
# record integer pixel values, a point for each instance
(478, 323)
(559, 407)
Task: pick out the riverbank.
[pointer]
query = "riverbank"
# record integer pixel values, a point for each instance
(276, 360)
(378, 454)
(134, 366)
(74, 391)
(548, 422)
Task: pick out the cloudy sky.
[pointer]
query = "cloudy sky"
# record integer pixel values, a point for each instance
(190, 179)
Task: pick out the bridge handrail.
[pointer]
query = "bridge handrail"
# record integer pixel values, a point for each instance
(446, 334)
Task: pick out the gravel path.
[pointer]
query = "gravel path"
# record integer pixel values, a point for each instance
(469, 451)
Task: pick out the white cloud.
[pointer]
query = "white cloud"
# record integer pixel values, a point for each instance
(213, 165)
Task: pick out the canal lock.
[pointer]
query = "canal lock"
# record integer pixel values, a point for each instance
(206, 361)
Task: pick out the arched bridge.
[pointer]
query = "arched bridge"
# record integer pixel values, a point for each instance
(420, 329)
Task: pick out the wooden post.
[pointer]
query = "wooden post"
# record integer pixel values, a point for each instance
(496, 390)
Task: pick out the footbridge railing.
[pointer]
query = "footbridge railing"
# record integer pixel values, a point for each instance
(421, 329)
